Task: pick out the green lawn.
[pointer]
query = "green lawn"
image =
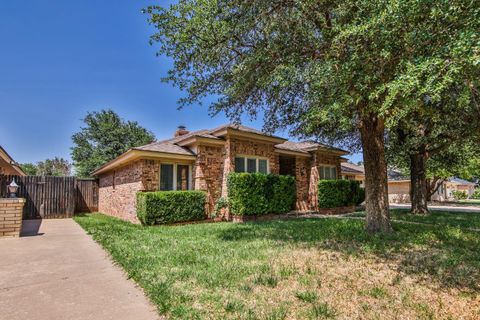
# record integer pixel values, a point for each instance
(448, 218)
(298, 269)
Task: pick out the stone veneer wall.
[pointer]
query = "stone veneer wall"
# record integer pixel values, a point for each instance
(208, 172)
(117, 191)
(302, 181)
(11, 211)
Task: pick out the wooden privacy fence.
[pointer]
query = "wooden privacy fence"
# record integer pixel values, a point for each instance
(53, 197)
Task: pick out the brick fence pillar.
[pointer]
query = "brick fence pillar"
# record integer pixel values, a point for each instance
(11, 211)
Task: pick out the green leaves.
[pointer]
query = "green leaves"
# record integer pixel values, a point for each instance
(339, 193)
(105, 137)
(258, 194)
(166, 207)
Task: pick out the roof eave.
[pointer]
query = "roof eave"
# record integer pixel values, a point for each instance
(134, 154)
(244, 134)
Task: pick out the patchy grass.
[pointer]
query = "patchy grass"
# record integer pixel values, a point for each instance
(445, 218)
(298, 269)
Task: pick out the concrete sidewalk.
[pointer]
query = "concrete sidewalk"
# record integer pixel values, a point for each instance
(439, 208)
(56, 271)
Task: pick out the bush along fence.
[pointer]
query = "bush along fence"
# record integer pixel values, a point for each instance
(167, 207)
(334, 194)
(256, 194)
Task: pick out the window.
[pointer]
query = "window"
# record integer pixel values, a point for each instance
(183, 177)
(251, 164)
(239, 164)
(166, 177)
(262, 166)
(174, 177)
(328, 173)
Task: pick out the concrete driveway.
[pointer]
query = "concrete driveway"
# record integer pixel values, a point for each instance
(56, 271)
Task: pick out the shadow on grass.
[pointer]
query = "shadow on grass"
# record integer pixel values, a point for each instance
(448, 255)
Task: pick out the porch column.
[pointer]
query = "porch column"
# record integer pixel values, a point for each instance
(314, 177)
(302, 183)
(228, 166)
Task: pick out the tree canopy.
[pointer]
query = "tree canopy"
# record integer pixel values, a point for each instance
(105, 137)
(49, 167)
(334, 70)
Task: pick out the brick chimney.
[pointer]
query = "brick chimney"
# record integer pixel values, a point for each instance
(181, 130)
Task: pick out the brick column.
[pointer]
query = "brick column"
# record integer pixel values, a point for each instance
(302, 183)
(11, 211)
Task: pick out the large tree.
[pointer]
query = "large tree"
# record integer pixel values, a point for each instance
(105, 137)
(326, 68)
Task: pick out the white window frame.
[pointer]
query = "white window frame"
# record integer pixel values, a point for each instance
(257, 158)
(175, 164)
(321, 166)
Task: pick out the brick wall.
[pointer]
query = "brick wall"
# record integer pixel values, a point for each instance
(302, 180)
(11, 211)
(208, 172)
(117, 191)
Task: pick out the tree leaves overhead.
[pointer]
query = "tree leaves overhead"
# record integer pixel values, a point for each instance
(318, 66)
(105, 137)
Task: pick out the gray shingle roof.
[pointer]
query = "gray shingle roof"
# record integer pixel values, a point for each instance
(348, 167)
(170, 145)
(305, 146)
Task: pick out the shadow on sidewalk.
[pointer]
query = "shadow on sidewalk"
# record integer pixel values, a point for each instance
(30, 228)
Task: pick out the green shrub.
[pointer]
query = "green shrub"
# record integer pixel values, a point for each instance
(339, 193)
(258, 194)
(459, 195)
(164, 207)
(476, 194)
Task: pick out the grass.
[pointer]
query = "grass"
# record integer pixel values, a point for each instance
(444, 218)
(298, 269)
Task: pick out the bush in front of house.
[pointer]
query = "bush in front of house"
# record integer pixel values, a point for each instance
(259, 194)
(476, 194)
(165, 207)
(459, 195)
(339, 193)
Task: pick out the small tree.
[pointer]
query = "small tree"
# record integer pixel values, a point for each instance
(54, 167)
(49, 167)
(30, 169)
(105, 137)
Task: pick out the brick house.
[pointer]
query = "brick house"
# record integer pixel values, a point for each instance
(201, 160)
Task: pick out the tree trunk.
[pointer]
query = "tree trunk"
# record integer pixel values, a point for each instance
(376, 185)
(418, 183)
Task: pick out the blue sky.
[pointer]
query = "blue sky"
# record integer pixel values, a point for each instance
(60, 59)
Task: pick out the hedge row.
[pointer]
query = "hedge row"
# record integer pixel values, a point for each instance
(258, 194)
(164, 207)
(339, 193)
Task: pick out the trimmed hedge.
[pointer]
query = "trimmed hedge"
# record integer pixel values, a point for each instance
(459, 195)
(339, 193)
(165, 207)
(259, 194)
(476, 194)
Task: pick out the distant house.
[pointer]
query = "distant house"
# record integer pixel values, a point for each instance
(201, 160)
(8, 166)
(352, 171)
(399, 188)
(445, 191)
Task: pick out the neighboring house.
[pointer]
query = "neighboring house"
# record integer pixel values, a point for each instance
(445, 191)
(399, 188)
(8, 166)
(201, 160)
(352, 171)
